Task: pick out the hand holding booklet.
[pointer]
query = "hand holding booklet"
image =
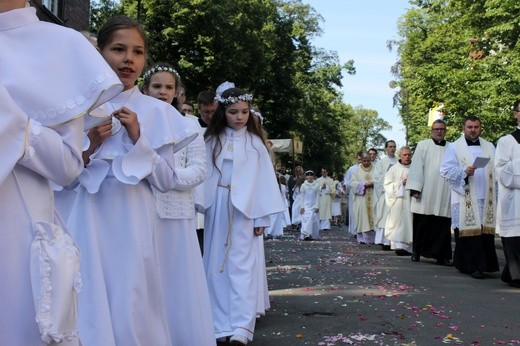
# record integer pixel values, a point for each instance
(480, 162)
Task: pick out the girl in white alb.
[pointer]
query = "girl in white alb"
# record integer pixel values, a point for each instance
(241, 193)
(114, 218)
(182, 273)
(309, 201)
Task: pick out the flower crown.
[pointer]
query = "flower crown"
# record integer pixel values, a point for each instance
(233, 99)
(160, 68)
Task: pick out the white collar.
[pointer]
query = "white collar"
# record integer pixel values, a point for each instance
(17, 18)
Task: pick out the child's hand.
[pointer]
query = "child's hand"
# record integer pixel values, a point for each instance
(129, 120)
(258, 231)
(97, 134)
(302, 211)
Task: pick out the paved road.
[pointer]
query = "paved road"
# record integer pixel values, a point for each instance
(336, 292)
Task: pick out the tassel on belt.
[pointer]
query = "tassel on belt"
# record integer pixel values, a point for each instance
(229, 240)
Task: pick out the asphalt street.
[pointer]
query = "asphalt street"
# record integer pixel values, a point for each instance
(334, 291)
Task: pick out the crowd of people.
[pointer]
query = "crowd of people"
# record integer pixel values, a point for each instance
(106, 181)
(168, 211)
(411, 203)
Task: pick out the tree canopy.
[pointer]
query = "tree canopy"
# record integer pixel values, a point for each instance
(264, 47)
(463, 53)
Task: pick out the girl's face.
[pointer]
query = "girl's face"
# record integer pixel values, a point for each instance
(162, 86)
(126, 55)
(309, 178)
(237, 115)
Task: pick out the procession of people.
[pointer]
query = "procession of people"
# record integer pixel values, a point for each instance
(128, 220)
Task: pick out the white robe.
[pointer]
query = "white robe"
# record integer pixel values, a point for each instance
(114, 221)
(350, 193)
(296, 217)
(243, 189)
(186, 297)
(326, 194)
(39, 88)
(309, 201)
(363, 204)
(380, 168)
(398, 226)
(507, 167)
(281, 220)
(336, 198)
(424, 177)
(452, 169)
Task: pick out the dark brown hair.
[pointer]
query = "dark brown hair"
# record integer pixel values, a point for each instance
(106, 33)
(219, 122)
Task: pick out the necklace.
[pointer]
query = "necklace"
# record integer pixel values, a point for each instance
(116, 124)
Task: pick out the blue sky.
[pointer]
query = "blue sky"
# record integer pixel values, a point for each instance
(359, 30)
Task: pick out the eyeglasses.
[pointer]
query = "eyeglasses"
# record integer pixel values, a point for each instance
(439, 129)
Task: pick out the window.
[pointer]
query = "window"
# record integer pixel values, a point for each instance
(51, 5)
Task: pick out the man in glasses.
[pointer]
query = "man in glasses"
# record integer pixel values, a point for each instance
(468, 168)
(430, 199)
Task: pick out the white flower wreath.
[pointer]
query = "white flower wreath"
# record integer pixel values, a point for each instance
(234, 99)
(159, 68)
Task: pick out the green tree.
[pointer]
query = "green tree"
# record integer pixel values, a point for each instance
(462, 53)
(264, 46)
(101, 10)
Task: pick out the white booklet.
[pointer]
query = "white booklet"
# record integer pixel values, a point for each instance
(480, 162)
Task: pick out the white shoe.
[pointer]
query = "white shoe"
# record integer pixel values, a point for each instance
(238, 340)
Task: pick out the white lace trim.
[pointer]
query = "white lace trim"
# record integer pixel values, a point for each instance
(56, 113)
(48, 330)
(35, 130)
(176, 204)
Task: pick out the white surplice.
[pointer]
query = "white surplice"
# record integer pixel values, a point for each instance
(380, 168)
(240, 195)
(114, 221)
(42, 91)
(398, 226)
(325, 201)
(350, 192)
(424, 177)
(296, 217)
(507, 167)
(336, 198)
(309, 201)
(364, 199)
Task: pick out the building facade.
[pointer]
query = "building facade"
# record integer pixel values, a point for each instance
(71, 13)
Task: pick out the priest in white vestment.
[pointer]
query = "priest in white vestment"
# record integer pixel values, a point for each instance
(350, 193)
(325, 202)
(431, 197)
(398, 226)
(362, 183)
(507, 166)
(473, 200)
(381, 210)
